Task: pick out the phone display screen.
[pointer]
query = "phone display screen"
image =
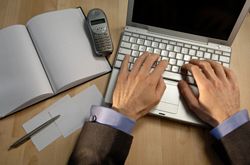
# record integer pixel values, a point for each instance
(97, 21)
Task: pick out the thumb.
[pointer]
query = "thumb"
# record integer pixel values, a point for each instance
(189, 96)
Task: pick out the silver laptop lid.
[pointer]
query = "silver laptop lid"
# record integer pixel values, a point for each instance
(205, 21)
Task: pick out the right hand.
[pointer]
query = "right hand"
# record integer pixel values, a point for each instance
(219, 96)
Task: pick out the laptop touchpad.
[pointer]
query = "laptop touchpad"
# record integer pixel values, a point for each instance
(171, 95)
(170, 99)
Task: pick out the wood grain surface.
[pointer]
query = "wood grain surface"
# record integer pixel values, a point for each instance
(156, 140)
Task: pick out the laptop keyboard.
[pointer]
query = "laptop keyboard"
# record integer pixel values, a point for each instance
(176, 53)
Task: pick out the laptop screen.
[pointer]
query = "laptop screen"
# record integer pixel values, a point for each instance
(209, 18)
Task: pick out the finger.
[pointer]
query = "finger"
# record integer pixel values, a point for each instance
(160, 89)
(218, 69)
(198, 75)
(138, 63)
(149, 61)
(231, 76)
(206, 68)
(123, 74)
(189, 96)
(158, 71)
(159, 92)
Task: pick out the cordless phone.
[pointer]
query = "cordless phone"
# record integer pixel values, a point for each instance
(100, 34)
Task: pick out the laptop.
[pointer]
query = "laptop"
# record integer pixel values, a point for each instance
(178, 31)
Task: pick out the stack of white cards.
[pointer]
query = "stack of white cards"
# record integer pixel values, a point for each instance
(73, 111)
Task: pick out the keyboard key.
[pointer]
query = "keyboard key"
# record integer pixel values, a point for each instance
(203, 49)
(189, 73)
(157, 40)
(184, 50)
(135, 53)
(194, 58)
(125, 38)
(180, 44)
(215, 57)
(142, 48)
(180, 63)
(168, 67)
(190, 80)
(171, 54)
(135, 47)
(187, 58)
(118, 64)
(134, 60)
(210, 50)
(226, 54)
(170, 47)
(177, 49)
(172, 61)
(199, 54)
(125, 44)
(132, 40)
(179, 56)
(207, 55)
(162, 46)
(164, 53)
(149, 49)
(195, 47)
(131, 59)
(172, 76)
(147, 43)
(159, 59)
(135, 35)
(128, 33)
(120, 57)
(192, 52)
(187, 46)
(149, 38)
(157, 51)
(175, 69)
(164, 41)
(224, 59)
(124, 51)
(140, 41)
(164, 58)
(155, 44)
(131, 66)
(143, 36)
(172, 42)
(218, 52)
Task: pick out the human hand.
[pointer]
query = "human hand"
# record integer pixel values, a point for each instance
(139, 90)
(219, 96)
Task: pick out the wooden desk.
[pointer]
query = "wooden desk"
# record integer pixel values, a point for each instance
(156, 141)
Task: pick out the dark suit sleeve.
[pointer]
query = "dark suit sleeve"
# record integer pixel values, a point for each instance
(100, 144)
(237, 145)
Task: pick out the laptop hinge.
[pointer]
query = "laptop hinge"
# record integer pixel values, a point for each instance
(220, 47)
(180, 38)
(152, 32)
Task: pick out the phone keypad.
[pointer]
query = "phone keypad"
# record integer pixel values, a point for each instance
(103, 42)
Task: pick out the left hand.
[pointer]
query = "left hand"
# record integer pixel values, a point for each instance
(138, 91)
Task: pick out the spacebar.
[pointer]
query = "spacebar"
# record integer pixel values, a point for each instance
(172, 76)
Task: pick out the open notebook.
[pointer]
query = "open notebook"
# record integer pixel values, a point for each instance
(50, 54)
